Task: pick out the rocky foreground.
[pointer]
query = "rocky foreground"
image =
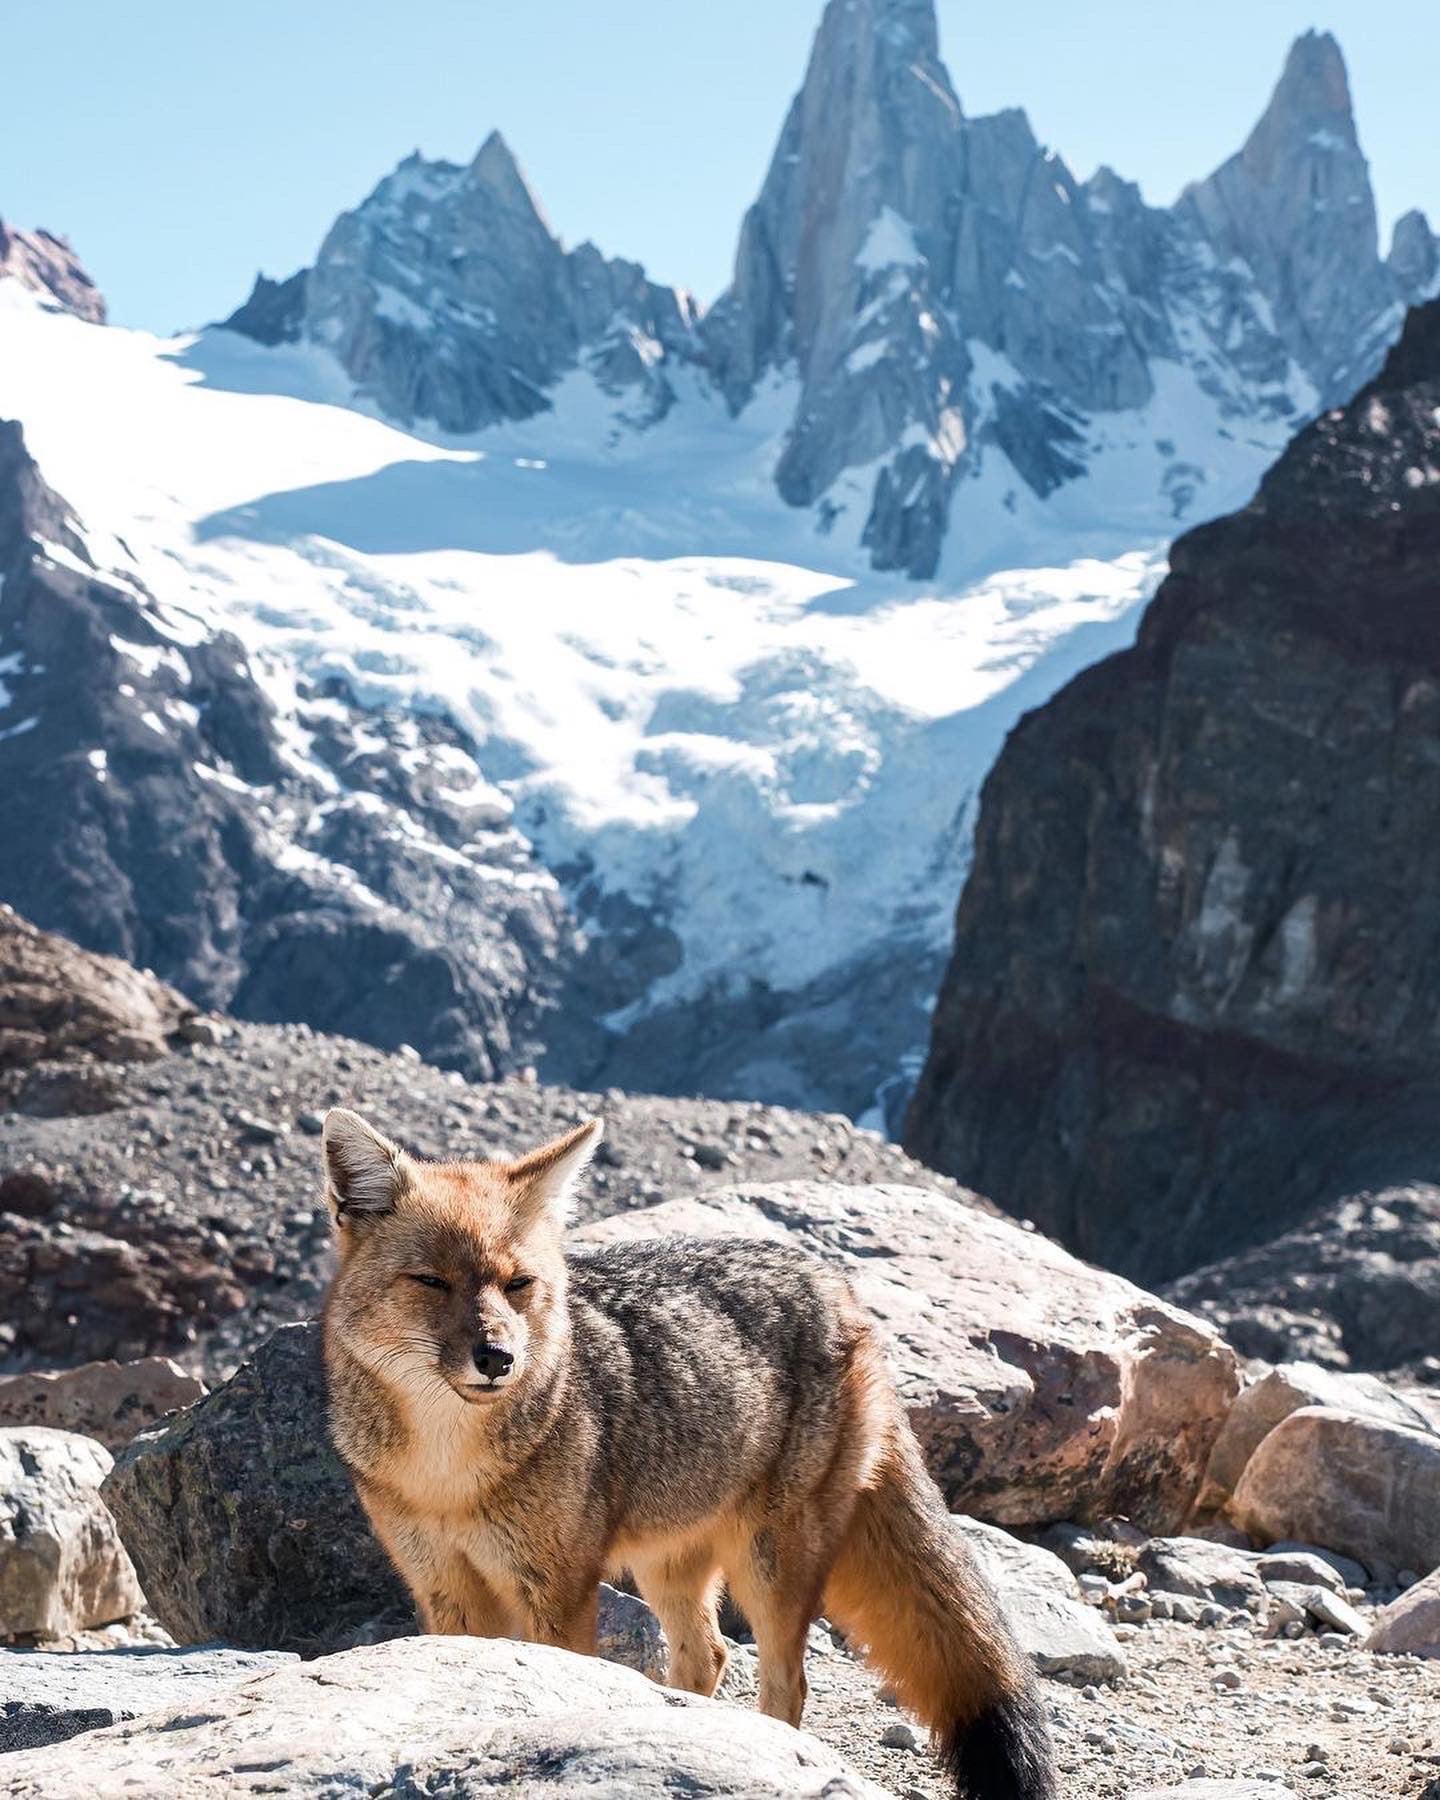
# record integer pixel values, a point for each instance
(1227, 1572)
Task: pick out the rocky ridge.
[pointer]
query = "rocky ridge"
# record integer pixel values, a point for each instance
(1192, 1001)
(49, 267)
(155, 804)
(447, 298)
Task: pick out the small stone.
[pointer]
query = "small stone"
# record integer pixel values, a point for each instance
(1227, 1678)
(1211, 1614)
(255, 1130)
(901, 1736)
(1400, 1746)
(312, 1123)
(1314, 1770)
(1329, 1609)
(200, 1029)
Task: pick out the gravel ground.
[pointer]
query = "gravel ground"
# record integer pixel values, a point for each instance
(208, 1160)
(1320, 1720)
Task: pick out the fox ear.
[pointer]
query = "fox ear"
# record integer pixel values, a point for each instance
(364, 1172)
(543, 1181)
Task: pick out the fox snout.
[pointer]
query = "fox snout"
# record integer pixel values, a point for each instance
(492, 1361)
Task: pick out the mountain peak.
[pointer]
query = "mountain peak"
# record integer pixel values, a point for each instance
(1314, 81)
(47, 265)
(1295, 204)
(495, 169)
(1312, 97)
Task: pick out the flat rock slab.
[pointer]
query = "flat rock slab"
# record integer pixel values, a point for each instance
(1040, 1388)
(458, 1716)
(46, 1698)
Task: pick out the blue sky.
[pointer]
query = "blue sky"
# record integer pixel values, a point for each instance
(182, 146)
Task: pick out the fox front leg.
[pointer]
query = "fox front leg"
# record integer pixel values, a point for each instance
(561, 1612)
(452, 1598)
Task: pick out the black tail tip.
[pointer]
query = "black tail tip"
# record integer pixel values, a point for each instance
(1005, 1753)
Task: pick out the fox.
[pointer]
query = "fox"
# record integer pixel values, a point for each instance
(523, 1417)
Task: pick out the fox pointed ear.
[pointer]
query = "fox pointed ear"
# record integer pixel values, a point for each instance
(364, 1172)
(542, 1182)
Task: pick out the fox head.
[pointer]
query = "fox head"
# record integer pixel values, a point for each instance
(451, 1275)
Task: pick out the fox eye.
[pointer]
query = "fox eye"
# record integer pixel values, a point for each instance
(517, 1284)
(437, 1282)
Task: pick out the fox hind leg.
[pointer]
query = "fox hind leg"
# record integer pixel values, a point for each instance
(777, 1579)
(682, 1589)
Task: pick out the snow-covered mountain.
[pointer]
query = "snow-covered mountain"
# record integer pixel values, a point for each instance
(475, 647)
(956, 311)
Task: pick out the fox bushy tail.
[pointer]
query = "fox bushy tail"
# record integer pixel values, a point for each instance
(907, 1588)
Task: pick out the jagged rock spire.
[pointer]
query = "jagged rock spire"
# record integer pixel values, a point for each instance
(1296, 204)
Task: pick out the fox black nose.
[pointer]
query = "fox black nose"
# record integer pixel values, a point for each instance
(492, 1361)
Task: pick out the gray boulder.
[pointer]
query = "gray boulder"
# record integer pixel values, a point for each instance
(62, 1565)
(46, 1698)
(1369, 1489)
(242, 1521)
(1410, 1626)
(1052, 1625)
(459, 1716)
(1202, 1570)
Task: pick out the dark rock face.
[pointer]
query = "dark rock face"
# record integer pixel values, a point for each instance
(275, 311)
(47, 265)
(1195, 989)
(1356, 1284)
(241, 1520)
(364, 879)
